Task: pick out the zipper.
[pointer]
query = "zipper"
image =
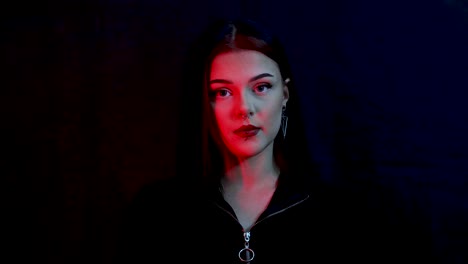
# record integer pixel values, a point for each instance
(246, 254)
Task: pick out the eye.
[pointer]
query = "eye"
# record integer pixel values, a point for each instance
(262, 88)
(220, 93)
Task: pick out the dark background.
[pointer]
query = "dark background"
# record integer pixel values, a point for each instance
(91, 109)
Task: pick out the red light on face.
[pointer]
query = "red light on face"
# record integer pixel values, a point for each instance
(246, 96)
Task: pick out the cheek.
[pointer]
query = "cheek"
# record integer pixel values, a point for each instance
(277, 118)
(220, 115)
(274, 117)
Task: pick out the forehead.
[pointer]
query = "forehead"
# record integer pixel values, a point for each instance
(242, 64)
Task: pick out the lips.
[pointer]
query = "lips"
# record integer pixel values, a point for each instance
(247, 131)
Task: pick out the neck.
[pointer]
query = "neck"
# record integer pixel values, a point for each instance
(254, 171)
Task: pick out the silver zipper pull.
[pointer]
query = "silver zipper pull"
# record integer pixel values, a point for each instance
(246, 254)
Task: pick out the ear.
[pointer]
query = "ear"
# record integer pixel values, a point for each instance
(285, 91)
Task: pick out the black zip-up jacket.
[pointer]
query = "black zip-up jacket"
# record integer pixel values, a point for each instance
(170, 222)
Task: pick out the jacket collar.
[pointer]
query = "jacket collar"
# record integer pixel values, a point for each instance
(285, 196)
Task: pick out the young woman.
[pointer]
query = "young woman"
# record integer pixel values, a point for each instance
(256, 198)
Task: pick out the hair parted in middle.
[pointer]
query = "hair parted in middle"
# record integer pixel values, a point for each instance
(245, 34)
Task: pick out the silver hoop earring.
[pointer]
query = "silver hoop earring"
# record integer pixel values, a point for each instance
(284, 122)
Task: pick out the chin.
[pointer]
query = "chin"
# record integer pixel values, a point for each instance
(247, 152)
(249, 148)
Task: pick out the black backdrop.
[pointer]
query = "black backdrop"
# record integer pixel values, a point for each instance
(92, 106)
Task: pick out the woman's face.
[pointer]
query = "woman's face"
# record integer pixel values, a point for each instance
(247, 93)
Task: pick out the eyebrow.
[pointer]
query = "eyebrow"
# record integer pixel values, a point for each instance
(251, 79)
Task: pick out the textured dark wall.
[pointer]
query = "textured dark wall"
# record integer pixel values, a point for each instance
(91, 105)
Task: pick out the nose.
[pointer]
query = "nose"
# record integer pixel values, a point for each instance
(245, 106)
